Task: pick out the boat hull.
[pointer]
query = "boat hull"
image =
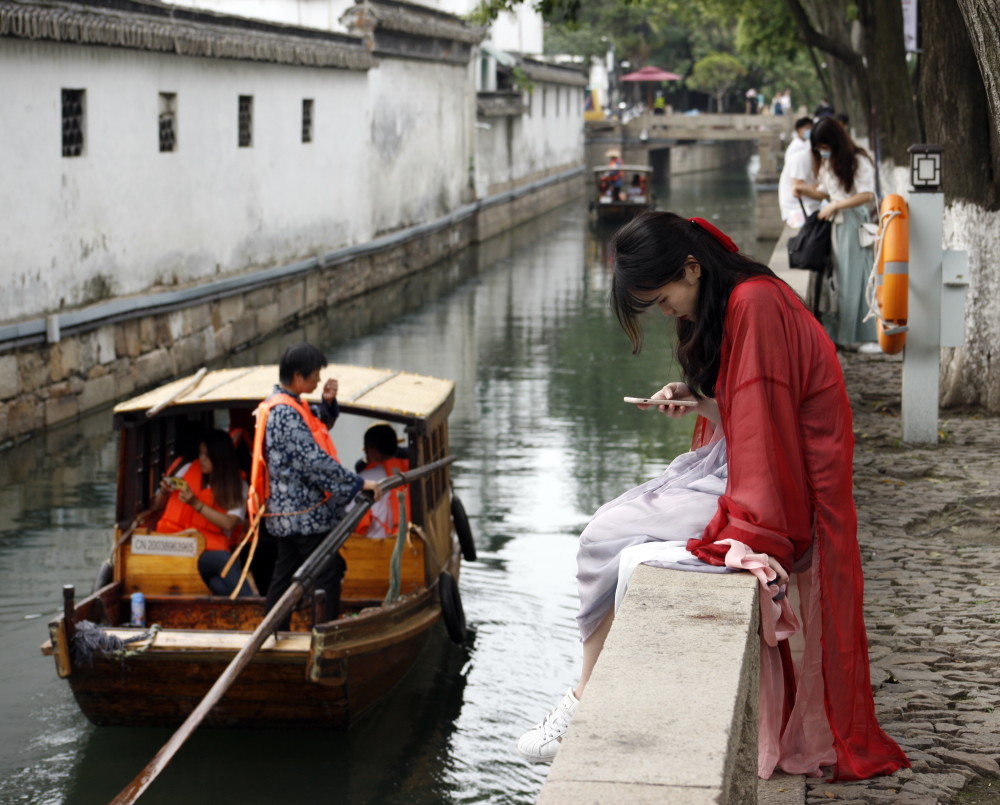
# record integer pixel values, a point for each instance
(328, 678)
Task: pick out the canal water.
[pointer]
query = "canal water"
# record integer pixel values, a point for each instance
(522, 325)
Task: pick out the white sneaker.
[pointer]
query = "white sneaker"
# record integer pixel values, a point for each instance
(541, 743)
(870, 348)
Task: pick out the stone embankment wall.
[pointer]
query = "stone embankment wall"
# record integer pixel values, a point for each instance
(161, 338)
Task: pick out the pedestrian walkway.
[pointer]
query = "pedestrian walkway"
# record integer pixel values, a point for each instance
(929, 529)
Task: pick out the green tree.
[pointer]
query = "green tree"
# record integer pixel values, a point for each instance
(717, 73)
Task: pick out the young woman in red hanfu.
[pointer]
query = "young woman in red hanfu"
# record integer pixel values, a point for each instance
(767, 489)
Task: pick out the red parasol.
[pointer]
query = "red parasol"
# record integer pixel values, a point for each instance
(651, 74)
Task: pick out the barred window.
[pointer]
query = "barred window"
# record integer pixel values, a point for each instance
(73, 109)
(307, 120)
(246, 121)
(168, 121)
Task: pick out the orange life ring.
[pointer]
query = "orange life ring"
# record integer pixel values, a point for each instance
(892, 274)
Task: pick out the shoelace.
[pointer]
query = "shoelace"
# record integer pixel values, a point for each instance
(554, 724)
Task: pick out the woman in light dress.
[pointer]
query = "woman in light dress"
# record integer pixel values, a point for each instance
(845, 178)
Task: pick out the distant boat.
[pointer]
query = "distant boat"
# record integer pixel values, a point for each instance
(316, 674)
(635, 197)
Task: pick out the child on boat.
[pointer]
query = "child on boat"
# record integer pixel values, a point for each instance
(383, 457)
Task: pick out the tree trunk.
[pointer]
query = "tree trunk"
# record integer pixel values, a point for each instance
(894, 107)
(955, 109)
(953, 98)
(982, 21)
(825, 25)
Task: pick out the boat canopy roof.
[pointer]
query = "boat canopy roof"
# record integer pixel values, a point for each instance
(364, 389)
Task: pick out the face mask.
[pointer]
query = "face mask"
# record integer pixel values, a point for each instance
(824, 153)
(806, 135)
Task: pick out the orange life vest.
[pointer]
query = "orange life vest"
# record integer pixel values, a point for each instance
(391, 523)
(260, 482)
(239, 436)
(179, 516)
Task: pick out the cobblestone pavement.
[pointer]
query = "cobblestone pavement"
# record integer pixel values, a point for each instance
(929, 528)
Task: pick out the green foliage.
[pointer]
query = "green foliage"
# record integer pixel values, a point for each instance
(488, 10)
(716, 73)
(759, 35)
(520, 79)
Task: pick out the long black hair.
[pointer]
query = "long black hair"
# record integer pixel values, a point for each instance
(651, 251)
(227, 485)
(844, 152)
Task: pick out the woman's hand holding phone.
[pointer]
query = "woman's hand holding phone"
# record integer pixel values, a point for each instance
(674, 400)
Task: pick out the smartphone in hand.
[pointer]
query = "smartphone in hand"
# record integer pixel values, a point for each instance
(651, 401)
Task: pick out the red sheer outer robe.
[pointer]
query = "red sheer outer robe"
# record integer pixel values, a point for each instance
(787, 423)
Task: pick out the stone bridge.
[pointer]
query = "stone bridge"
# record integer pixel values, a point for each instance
(677, 144)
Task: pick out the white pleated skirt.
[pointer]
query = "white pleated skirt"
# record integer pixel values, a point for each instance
(663, 514)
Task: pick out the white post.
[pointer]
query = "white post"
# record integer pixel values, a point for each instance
(922, 357)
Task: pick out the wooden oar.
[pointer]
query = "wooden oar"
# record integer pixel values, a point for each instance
(303, 579)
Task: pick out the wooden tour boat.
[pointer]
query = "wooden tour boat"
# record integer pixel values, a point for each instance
(316, 674)
(635, 197)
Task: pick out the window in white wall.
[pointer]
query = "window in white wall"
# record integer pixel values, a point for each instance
(307, 120)
(246, 121)
(168, 121)
(74, 103)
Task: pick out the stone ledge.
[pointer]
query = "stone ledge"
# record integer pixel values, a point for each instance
(670, 713)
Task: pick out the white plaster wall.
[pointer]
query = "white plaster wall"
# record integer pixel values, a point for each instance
(536, 143)
(125, 217)
(520, 31)
(421, 141)
(551, 136)
(496, 139)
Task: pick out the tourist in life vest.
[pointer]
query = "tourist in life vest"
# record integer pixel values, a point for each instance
(382, 459)
(766, 489)
(612, 178)
(296, 478)
(207, 495)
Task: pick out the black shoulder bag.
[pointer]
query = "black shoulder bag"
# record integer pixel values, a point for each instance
(810, 248)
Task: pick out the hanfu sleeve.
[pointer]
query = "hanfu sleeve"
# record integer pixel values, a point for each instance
(767, 502)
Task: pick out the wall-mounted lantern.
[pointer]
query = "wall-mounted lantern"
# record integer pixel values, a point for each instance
(925, 168)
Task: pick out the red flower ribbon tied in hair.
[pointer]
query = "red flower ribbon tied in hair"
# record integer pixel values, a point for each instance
(718, 234)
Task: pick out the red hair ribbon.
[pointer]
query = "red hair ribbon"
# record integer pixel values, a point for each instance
(718, 234)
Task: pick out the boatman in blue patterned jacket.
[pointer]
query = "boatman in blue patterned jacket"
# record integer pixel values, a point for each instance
(296, 476)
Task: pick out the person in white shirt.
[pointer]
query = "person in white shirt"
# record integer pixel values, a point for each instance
(798, 168)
